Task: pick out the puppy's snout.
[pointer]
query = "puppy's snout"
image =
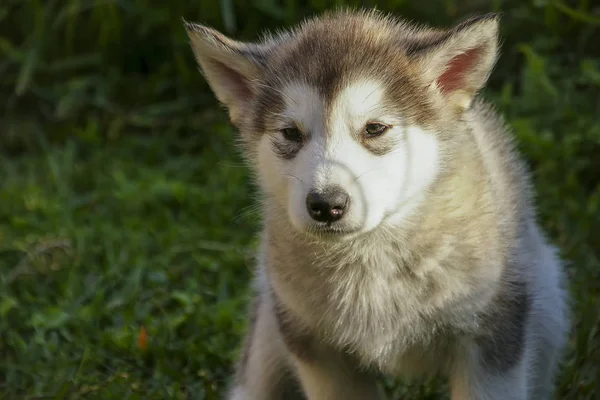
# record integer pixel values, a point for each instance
(328, 205)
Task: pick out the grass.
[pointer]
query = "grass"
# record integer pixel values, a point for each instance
(127, 227)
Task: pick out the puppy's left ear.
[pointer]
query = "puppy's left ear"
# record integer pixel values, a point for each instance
(458, 62)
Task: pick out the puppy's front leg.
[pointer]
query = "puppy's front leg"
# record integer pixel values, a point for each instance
(476, 376)
(328, 377)
(264, 371)
(324, 373)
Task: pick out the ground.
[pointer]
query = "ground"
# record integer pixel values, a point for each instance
(127, 218)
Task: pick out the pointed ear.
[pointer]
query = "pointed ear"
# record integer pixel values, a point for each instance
(229, 66)
(457, 63)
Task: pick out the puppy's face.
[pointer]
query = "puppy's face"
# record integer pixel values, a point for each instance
(341, 165)
(348, 119)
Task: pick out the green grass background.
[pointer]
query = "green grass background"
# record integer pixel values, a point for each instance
(124, 204)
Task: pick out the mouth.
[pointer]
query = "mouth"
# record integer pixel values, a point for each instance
(331, 231)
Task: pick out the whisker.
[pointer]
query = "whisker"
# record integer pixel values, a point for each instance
(275, 90)
(369, 95)
(295, 177)
(364, 173)
(250, 211)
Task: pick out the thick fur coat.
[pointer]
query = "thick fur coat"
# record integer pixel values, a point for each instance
(400, 234)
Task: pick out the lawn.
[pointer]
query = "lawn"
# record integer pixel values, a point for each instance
(127, 218)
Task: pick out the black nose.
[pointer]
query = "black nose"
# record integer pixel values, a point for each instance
(327, 205)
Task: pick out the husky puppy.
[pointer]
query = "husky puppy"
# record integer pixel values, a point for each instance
(399, 230)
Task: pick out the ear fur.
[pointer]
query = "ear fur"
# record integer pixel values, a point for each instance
(457, 63)
(229, 66)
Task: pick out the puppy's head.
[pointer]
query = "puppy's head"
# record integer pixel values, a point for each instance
(349, 118)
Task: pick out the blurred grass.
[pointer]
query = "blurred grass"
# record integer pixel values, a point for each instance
(125, 206)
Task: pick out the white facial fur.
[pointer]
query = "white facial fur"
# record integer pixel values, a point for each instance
(382, 188)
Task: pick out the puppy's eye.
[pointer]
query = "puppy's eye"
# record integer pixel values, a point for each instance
(292, 134)
(372, 130)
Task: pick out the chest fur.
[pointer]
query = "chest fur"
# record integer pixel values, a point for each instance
(380, 303)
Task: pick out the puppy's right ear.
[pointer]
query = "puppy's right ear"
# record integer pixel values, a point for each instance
(230, 67)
